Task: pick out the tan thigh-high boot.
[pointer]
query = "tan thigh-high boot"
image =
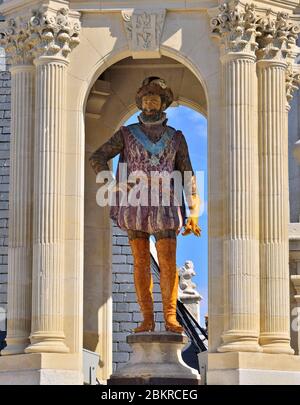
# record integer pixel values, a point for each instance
(166, 253)
(140, 248)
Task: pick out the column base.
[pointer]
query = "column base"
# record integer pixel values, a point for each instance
(15, 346)
(242, 368)
(47, 343)
(41, 369)
(235, 341)
(156, 360)
(240, 347)
(274, 345)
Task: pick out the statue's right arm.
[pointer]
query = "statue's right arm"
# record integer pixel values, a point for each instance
(99, 159)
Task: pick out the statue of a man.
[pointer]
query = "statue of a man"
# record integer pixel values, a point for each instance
(152, 146)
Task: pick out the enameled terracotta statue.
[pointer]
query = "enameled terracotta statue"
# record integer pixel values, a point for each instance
(152, 146)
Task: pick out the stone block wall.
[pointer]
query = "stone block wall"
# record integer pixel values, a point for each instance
(126, 313)
(5, 108)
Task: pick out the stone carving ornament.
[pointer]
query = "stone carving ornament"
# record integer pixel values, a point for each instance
(144, 28)
(268, 35)
(292, 81)
(41, 33)
(187, 287)
(236, 27)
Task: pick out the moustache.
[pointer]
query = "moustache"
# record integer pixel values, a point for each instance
(152, 110)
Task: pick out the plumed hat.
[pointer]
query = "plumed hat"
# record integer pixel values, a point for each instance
(154, 85)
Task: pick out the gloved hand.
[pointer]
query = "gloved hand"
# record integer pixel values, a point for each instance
(191, 225)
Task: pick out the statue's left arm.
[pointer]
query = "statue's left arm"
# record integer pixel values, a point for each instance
(183, 164)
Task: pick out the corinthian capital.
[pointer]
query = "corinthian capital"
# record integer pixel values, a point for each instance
(245, 28)
(292, 80)
(276, 36)
(15, 38)
(42, 32)
(53, 32)
(235, 25)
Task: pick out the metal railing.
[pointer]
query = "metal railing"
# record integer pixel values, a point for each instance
(193, 330)
(197, 334)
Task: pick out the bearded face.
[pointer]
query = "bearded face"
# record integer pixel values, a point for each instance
(152, 107)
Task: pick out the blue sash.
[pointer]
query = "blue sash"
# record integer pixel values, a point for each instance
(153, 148)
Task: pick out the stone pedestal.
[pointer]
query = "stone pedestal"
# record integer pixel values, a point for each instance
(41, 369)
(241, 368)
(156, 360)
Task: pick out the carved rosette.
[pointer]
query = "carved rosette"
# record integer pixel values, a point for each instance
(43, 32)
(144, 29)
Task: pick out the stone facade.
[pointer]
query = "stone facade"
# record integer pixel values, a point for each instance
(246, 79)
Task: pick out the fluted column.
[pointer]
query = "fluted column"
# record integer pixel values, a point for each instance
(274, 209)
(14, 38)
(241, 239)
(20, 210)
(273, 174)
(54, 36)
(242, 226)
(48, 230)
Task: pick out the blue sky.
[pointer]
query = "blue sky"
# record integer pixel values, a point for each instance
(194, 127)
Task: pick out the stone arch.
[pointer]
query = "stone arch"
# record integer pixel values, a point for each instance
(97, 229)
(99, 56)
(109, 60)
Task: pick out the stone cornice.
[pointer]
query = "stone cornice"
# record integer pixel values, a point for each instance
(17, 7)
(118, 5)
(109, 5)
(43, 31)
